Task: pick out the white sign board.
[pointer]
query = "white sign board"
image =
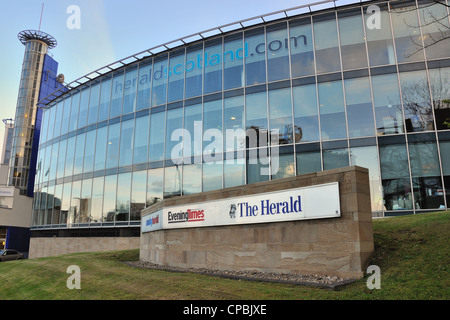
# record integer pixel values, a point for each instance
(314, 202)
(6, 197)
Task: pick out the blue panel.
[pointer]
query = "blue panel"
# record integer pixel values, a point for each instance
(19, 239)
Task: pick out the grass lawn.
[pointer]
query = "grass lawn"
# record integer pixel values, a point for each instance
(411, 251)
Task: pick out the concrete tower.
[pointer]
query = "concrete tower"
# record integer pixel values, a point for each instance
(37, 44)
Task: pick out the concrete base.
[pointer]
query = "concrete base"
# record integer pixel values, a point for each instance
(336, 246)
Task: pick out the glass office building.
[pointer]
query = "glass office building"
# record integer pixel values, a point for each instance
(348, 85)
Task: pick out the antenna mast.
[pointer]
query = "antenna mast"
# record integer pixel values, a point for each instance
(42, 10)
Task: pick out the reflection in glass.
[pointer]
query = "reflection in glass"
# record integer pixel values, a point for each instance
(79, 154)
(123, 197)
(192, 179)
(256, 119)
(234, 172)
(57, 204)
(116, 94)
(308, 162)
(138, 194)
(141, 133)
(278, 52)
(89, 152)
(155, 179)
(194, 74)
(326, 44)
(359, 108)
(379, 40)
(65, 116)
(97, 200)
(159, 81)
(129, 90)
(84, 107)
(435, 30)
(85, 201)
(367, 157)
(280, 111)
(255, 63)
(440, 91)
(109, 198)
(157, 134)
(93, 103)
(336, 158)
(75, 106)
(193, 128)
(172, 181)
(174, 125)
(213, 66)
(283, 167)
(351, 35)
(65, 203)
(444, 147)
(233, 58)
(332, 111)
(408, 41)
(100, 148)
(426, 175)
(212, 175)
(69, 157)
(61, 159)
(301, 46)
(112, 152)
(74, 211)
(126, 143)
(144, 85)
(105, 99)
(388, 107)
(416, 101)
(233, 122)
(306, 117)
(212, 128)
(258, 168)
(176, 76)
(395, 177)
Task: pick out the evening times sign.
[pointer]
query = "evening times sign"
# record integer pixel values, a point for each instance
(314, 202)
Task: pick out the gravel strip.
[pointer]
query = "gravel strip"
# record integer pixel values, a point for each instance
(330, 282)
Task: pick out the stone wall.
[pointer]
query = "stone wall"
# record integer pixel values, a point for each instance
(334, 246)
(47, 247)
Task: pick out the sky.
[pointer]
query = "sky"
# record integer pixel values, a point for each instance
(110, 30)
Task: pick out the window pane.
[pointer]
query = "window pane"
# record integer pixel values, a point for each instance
(126, 143)
(278, 52)
(212, 175)
(112, 154)
(408, 42)
(388, 107)
(332, 111)
(326, 45)
(308, 162)
(444, 147)
(144, 85)
(155, 186)
(379, 40)
(306, 116)
(301, 46)
(337, 158)
(192, 179)
(194, 73)
(100, 148)
(193, 126)
(97, 200)
(123, 197)
(54, 160)
(57, 204)
(280, 111)
(172, 181)
(176, 76)
(116, 95)
(129, 90)
(159, 81)
(65, 203)
(84, 107)
(255, 62)
(212, 127)
(66, 116)
(351, 35)
(140, 151)
(74, 211)
(213, 66)
(105, 99)
(234, 126)
(59, 112)
(61, 159)
(416, 101)
(283, 166)
(233, 61)
(435, 30)
(440, 90)
(157, 134)
(138, 193)
(359, 108)
(75, 106)
(86, 201)
(174, 126)
(258, 165)
(395, 177)
(256, 119)
(93, 102)
(89, 151)
(69, 157)
(234, 172)
(109, 198)
(79, 154)
(367, 157)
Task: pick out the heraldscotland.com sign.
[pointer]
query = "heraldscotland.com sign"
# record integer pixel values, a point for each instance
(314, 202)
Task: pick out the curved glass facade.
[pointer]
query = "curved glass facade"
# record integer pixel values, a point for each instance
(340, 87)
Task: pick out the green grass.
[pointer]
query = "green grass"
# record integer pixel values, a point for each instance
(411, 251)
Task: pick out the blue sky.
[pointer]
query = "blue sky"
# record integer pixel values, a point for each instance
(110, 30)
